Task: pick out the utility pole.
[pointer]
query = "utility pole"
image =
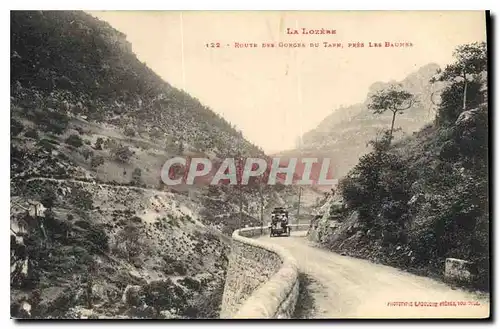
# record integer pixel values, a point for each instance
(238, 180)
(241, 207)
(298, 206)
(261, 194)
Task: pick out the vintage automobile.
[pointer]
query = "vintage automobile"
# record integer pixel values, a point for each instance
(279, 222)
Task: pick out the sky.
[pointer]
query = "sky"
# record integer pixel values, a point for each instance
(274, 95)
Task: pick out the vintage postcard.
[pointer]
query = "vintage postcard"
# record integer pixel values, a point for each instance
(249, 165)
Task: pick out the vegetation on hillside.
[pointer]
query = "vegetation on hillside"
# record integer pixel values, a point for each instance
(420, 200)
(71, 63)
(82, 253)
(91, 127)
(90, 124)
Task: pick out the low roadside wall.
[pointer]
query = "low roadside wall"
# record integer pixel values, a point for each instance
(262, 278)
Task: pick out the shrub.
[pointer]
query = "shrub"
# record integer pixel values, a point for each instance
(122, 153)
(74, 140)
(87, 153)
(98, 143)
(173, 266)
(81, 199)
(191, 284)
(165, 295)
(129, 131)
(31, 133)
(179, 268)
(96, 161)
(136, 176)
(49, 198)
(99, 240)
(51, 121)
(156, 133)
(46, 145)
(133, 297)
(131, 242)
(16, 127)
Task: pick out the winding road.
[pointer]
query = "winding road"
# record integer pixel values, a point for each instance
(346, 287)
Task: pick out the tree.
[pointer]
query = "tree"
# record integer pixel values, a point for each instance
(471, 59)
(451, 101)
(394, 99)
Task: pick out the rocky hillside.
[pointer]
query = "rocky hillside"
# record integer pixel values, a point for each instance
(94, 231)
(417, 201)
(343, 135)
(72, 63)
(83, 249)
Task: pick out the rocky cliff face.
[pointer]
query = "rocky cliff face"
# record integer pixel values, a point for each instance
(344, 134)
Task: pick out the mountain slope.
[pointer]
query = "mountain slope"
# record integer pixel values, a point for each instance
(343, 135)
(94, 232)
(88, 68)
(423, 201)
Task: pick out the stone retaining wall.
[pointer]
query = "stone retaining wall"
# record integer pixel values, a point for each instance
(262, 278)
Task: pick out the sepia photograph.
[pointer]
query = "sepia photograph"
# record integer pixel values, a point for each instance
(305, 165)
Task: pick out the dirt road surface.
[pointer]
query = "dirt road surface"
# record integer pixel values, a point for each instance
(346, 287)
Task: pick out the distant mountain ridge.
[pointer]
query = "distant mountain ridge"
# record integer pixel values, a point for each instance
(344, 134)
